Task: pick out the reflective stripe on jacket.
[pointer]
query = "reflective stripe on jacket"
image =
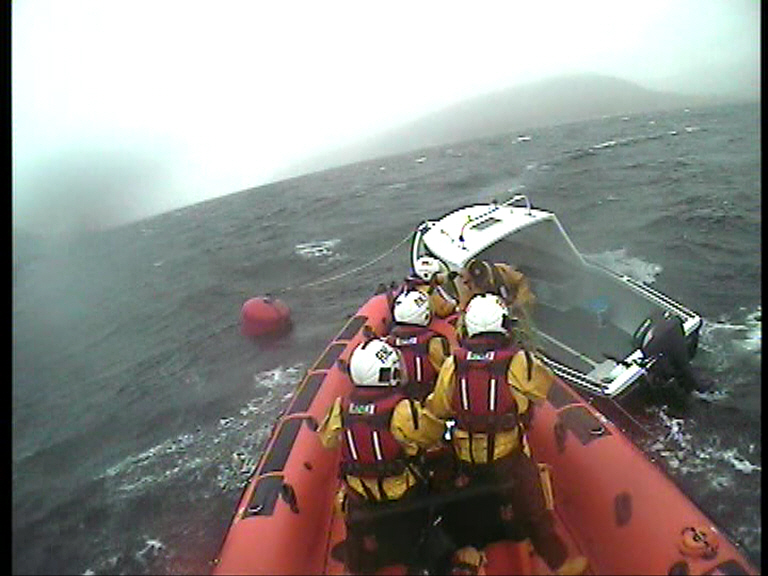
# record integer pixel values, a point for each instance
(421, 369)
(482, 399)
(428, 434)
(524, 386)
(369, 449)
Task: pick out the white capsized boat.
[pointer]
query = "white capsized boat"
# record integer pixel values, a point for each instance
(594, 326)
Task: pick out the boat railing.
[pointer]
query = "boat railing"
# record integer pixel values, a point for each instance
(516, 198)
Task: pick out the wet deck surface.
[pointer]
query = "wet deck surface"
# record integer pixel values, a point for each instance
(579, 330)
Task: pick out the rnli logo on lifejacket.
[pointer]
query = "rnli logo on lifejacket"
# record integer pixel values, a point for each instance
(362, 409)
(405, 341)
(383, 353)
(480, 356)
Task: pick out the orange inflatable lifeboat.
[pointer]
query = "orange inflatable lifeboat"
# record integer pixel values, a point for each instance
(609, 501)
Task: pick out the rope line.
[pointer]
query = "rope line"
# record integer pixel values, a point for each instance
(347, 273)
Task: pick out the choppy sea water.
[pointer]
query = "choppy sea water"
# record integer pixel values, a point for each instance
(139, 410)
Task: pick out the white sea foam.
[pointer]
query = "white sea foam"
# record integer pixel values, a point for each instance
(232, 445)
(749, 536)
(753, 339)
(727, 334)
(316, 249)
(606, 144)
(150, 546)
(277, 376)
(712, 395)
(685, 455)
(621, 263)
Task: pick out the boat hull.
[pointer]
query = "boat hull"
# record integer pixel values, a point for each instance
(586, 315)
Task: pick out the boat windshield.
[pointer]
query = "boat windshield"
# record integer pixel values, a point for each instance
(419, 247)
(543, 248)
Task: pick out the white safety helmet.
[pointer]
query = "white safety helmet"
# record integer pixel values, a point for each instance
(375, 363)
(427, 266)
(412, 307)
(486, 313)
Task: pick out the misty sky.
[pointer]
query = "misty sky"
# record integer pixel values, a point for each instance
(122, 109)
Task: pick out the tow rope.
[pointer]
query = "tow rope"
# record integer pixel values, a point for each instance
(342, 274)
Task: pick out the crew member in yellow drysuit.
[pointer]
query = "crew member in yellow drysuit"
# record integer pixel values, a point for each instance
(487, 386)
(381, 431)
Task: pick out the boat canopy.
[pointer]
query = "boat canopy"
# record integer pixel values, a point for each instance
(461, 235)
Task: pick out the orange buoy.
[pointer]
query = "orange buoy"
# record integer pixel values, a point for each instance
(264, 316)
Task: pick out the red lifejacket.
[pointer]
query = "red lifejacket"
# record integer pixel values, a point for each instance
(482, 401)
(413, 343)
(369, 449)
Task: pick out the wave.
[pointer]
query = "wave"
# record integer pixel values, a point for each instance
(142, 556)
(228, 446)
(635, 139)
(727, 334)
(704, 454)
(211, 460)
(607, 144)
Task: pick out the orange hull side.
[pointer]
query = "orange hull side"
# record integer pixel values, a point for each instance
(626, 515)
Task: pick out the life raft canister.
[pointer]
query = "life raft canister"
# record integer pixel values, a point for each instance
(264, 316)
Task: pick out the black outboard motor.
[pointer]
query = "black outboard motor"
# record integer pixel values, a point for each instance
(662, 340)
